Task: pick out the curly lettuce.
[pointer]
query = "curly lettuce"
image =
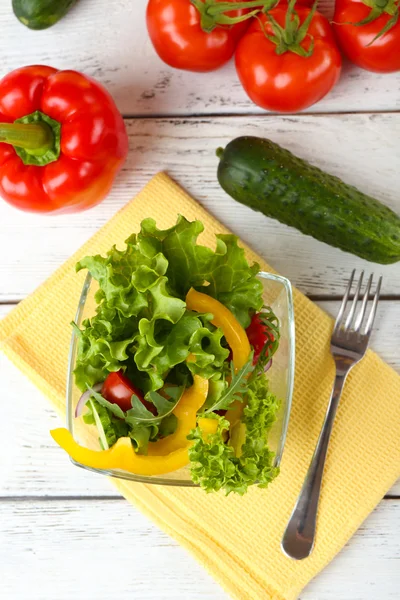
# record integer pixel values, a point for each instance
(224, 273)
(216, 465)
(141, 323)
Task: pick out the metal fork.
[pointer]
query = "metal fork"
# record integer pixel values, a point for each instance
(349, 344)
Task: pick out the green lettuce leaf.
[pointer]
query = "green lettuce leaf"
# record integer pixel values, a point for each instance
(224, 273)
(141, 323)
(158, 353)
(214, 464)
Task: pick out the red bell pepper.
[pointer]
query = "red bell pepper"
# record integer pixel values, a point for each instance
(64, 140)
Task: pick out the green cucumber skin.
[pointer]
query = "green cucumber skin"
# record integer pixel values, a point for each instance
(41, 14)
(267, 178)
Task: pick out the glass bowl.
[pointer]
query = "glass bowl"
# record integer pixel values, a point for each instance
(278, 295)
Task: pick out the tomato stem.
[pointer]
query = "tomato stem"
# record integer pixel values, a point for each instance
(290, 37)
(378, 8)
(213, 13)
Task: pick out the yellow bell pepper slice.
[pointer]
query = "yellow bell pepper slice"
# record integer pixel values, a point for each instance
(222, 317)
(207, 425)
(185, 412)
(164, 456)
(121, 456)
(234, 333)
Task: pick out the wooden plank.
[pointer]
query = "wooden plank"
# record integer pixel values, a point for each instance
(360, 148)
(106, 549)
(109, 41)
(34, 466)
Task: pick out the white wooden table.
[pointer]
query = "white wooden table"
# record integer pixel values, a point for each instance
(64, 533)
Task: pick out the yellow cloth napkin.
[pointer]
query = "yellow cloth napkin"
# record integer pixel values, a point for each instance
(238, 539)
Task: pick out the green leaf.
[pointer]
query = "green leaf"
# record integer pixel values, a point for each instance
(159, 351)
(229, 277)
(109, 428)
(141, 323)
(140, 436)
(168, 426)
(139, 413)
(110, 406)
(236, 389)
(215, 391)
(214, 464)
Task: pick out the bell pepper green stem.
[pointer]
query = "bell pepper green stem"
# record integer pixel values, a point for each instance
(31, 136)
(36, 138)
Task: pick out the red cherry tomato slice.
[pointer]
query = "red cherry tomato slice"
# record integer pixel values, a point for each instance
(118, 389)
(258, 334)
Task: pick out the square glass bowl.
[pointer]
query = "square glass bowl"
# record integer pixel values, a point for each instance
(278, 295)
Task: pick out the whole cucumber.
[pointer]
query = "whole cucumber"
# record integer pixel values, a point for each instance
(40, 14)
(270, 179)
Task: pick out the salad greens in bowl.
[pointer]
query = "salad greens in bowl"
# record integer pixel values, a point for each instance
(181, 363)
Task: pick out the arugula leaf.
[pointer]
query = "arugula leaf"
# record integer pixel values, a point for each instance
(140, 436)
(113, 408)
(215, 390)
(236, 389)
(163, 405)
(138, 412)
(168, 426)
(138, 422)
(214, 464)
(109, 428)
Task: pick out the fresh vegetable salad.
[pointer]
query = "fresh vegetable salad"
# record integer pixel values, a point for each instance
(172, 367)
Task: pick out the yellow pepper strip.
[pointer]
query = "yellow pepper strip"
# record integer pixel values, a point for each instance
(164, 456)
(207, 426)
(121, 456)
(185, 412)
(234, 333)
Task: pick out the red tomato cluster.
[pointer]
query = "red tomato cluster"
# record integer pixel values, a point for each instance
(287, 57)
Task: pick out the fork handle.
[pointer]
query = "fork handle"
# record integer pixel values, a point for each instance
(298, 539)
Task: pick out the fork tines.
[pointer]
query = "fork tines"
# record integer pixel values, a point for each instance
(355, 319)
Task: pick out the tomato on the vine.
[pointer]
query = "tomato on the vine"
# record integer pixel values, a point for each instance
(118, 389)
(288, 59)
(369, 33)
(176, 31)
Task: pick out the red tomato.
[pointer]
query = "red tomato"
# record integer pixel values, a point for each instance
(179, 40)
(118, 389)
(258, 335)
(383, 55)
(287, 82)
